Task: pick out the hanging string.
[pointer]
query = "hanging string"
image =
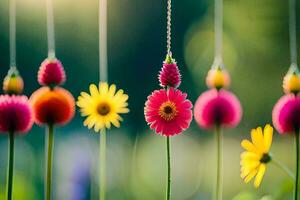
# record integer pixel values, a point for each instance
(12, 32)
(50, 29)
(292, 31)
(218, 32)
(103, 40)
(169, 14)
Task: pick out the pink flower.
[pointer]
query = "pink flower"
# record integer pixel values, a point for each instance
(169, 76)
(168, 112)
(215, 107)
(286, 114)
(15, 114)
(51, 73)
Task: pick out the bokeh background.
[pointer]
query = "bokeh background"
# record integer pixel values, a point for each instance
(256, 53)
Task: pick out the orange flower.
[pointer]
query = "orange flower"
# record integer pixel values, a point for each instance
(56, 106)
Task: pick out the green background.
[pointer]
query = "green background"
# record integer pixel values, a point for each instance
(256, 53)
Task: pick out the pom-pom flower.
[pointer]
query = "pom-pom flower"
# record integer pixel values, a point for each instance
(15, 114)
(103, 106)
(254, 159)
(286, 114)
(52, 106)
(215, 107)
(217, 78)
(169, 76)
(13, 82)
(51, 73)
(168, 112)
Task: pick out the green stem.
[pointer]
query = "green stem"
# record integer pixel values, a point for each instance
(283, 168)
(10, 171)
(168, 191)
(297, 164)
(49, 143)
(102, 165)
(219, 184)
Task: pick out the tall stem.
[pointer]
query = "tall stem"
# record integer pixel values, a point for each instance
(218, 31)
(103, 40)
(292, 31)
(169, 19)
(10, 171)
(49, 143)
(297, 164)
(283, 168)
(219, 183)
(12, 32)
(168, 189)
(102, 165)
(50, 29)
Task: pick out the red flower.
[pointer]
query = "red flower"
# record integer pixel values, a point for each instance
(168, 112)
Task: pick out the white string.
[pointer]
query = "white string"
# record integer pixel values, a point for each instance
(50, 29)
(292, 31)
(12, 32)
(103, 40)
(218, 32)
(169, 14)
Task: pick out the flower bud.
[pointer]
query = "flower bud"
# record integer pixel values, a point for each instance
(217, 78)
(13, 82)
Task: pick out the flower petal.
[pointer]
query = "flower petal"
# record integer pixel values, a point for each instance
(260, 175)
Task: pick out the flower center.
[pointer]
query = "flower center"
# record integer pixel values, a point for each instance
(168, 111)
(265, 158)
(103, 109)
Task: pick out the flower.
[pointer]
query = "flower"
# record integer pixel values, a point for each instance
(13, 82)
(286, 114)
(52, 106)
(15, 114)
(169, 76)
(217, 78)
(215, 107)
(51, 73)
(256, 156)
(168, 112)
(291, 83)
(103, 106)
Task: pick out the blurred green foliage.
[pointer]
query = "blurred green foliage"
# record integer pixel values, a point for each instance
(256, 53)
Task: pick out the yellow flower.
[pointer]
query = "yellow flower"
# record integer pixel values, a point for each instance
(254, 159)
(102, 106)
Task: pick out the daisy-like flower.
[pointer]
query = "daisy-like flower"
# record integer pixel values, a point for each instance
(255, 158)
(168, 112)
(103, 106)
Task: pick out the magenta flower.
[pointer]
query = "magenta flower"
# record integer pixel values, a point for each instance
(168, 112)
(215, 107)
(286, 114)
(51, 73)
(15, 114)
(169, 76)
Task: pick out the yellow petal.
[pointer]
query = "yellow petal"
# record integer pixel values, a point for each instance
(103, 88)
(268, 136)
(258, 139)
(112, 90)
(247, 145)
(260, 175)
(250, 176)
(94, 90)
